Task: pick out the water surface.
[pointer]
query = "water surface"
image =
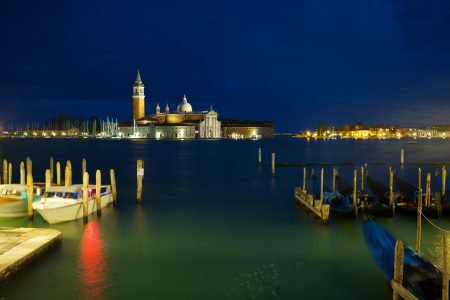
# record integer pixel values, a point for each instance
(214, 225)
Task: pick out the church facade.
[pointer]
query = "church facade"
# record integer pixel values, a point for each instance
(182, 123)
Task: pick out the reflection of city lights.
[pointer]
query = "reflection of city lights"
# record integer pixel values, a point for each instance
(92, 262)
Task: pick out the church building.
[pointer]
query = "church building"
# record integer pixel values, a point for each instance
(183, 123)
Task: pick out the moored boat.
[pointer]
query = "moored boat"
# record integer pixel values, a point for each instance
(340, 205)
(65, 203)
(407, 200)
(14, 199)
(370, 206)
(420, 277)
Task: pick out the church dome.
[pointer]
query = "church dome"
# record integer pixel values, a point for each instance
(184, 106)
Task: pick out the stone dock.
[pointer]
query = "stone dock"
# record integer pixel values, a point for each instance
(18, 246)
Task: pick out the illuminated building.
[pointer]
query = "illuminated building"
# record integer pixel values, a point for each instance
(185, 123)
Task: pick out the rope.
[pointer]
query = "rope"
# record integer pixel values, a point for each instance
(437, 227)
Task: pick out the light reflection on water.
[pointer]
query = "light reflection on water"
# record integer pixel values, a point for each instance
(92, 262)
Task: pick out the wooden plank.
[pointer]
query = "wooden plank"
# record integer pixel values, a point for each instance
(401, 291)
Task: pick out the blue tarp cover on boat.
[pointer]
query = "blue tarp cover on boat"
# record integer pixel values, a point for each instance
(381, 245)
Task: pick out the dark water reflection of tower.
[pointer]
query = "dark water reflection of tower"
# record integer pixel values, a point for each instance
(92, 263)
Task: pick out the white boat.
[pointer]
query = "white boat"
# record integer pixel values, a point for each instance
(65, 203)
(14, 199)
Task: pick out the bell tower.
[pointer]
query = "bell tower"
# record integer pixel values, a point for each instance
(138, 98)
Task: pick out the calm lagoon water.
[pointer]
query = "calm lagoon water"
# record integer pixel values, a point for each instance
(213, 225)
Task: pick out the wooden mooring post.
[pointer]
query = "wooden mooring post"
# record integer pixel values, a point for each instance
(402, 156)
(98, 188)
(140, 176)
(10, 173)
(419, 221)
(259, 156)
(22, 173)
(52, 164)
(321, 186)
(58, 173)
(273, 164)
(48, 179)
(5, 171)
(397, 282)
(68, 174)
(362, 178)
(419, 179)
(113, 186)
(30, 195)
(29, 164)
(391, 191)
(83, 166)
(304, 179)
(444, 180)
(428, 190)
(85, 197)
(355, 198)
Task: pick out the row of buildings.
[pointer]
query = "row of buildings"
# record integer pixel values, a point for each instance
(185, 123)
(380, 132)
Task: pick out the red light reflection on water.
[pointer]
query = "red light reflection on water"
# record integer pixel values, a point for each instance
(92, 273)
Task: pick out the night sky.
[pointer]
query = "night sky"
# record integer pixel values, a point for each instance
(293, 62)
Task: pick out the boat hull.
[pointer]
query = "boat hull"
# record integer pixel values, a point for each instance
(13, 208)
(71, 212)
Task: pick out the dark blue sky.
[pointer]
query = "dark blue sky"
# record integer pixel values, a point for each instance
(293, 62)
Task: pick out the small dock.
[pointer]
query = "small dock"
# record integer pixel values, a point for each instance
(18, 246)
(316, 206)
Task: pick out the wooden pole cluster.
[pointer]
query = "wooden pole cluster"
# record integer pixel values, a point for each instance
(30, 195)
(22, 173)
(51, 169)
(58, 173)
(259, 156)
(428, 190)
(273, 164)
(113, 186)
(98, 189)
(419, 221)
(140, 177)
(355, 198)
(5, 171)
(68, 174)
(85, 197)
(304, 179)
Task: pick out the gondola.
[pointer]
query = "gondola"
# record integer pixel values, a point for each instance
(380, 191)
(404, 187)
(420, 277)
(407, 200)
(371, 207)
(340, 205)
